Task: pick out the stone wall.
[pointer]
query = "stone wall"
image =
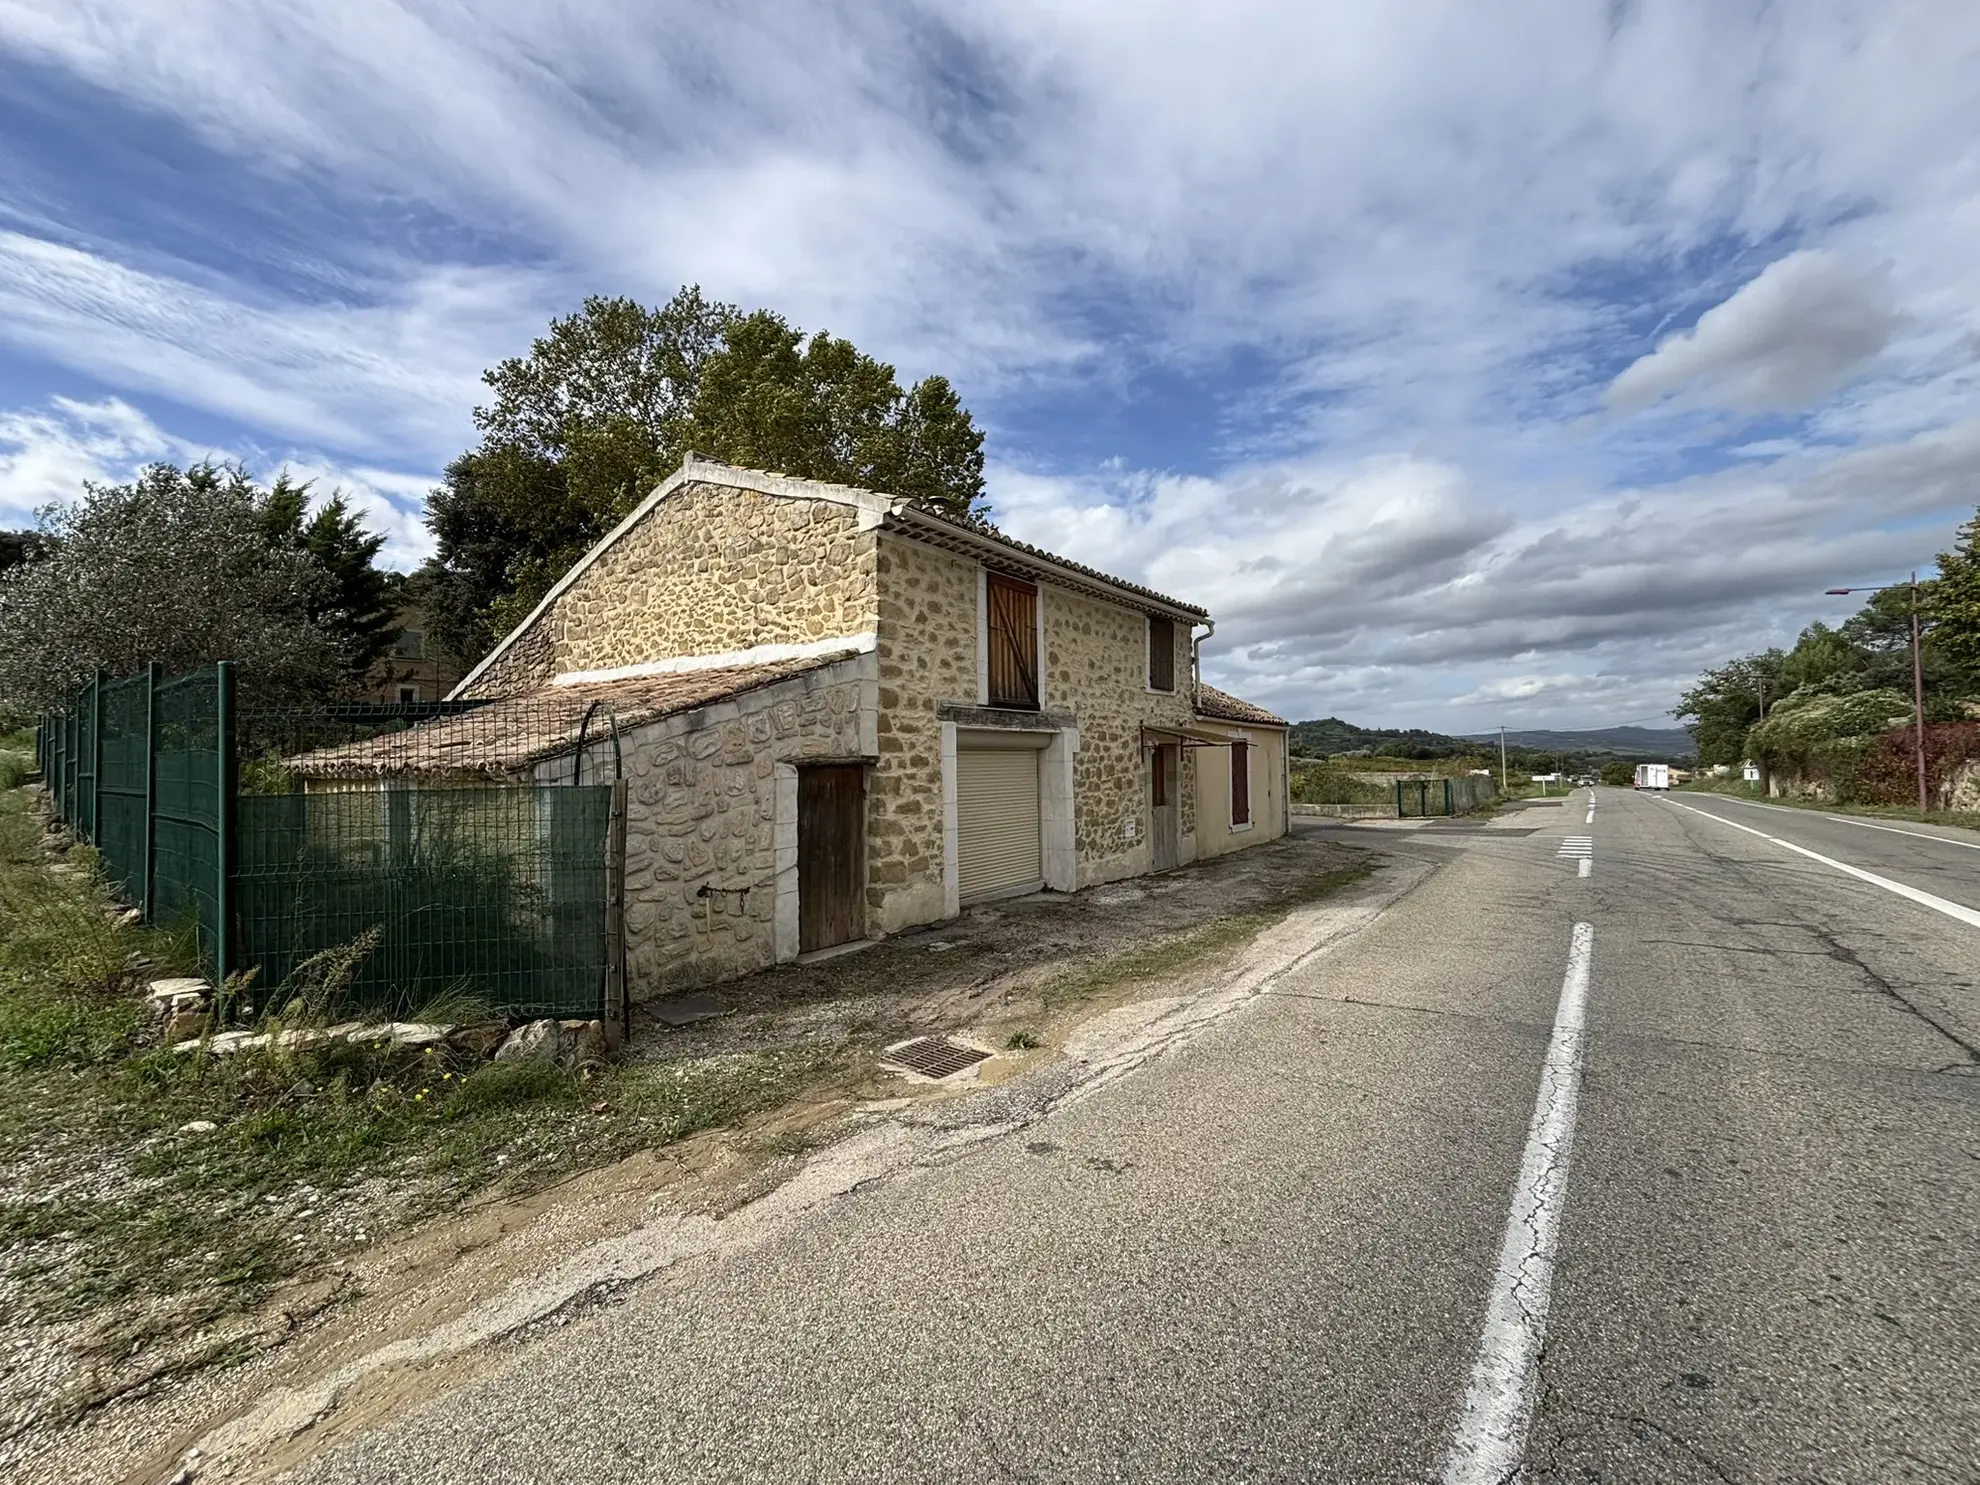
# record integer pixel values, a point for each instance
(702, 813)
(1096, 657)
(712, 569)
(927, 655)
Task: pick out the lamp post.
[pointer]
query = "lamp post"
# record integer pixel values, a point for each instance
(1917, 678)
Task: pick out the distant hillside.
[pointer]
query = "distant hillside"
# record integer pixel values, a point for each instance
(1331, 736)
(1654, 743)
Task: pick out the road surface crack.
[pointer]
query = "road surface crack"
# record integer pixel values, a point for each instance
(1843, 954)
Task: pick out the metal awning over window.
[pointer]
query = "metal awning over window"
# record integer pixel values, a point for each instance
(1183, 736)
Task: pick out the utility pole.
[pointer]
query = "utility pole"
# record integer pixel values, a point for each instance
(1918, 695)
(1917, 681)
(1504, 788)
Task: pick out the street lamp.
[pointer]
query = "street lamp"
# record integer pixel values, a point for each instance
(1917, 677)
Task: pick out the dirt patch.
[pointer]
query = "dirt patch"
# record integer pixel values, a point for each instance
(1017, 968)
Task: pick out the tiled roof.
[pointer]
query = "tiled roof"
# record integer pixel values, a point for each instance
(511, 734)
(925, 523)
(1224, 707)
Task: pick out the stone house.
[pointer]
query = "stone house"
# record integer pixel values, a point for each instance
(841, 716)
(414, 668)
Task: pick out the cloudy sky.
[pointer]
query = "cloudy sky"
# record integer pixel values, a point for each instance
(1473, 363)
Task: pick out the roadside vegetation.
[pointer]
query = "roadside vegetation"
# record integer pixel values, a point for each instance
(1834, 717)
(149, 1195)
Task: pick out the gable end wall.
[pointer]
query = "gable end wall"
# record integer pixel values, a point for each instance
(711, 570)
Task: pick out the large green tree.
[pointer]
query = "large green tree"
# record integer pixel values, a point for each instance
(1955, 600)
(184, 567)
(608, 403)
(1727, 701)
(358, 599)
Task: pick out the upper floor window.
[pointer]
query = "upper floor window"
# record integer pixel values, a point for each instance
(1013, 632)
(410, 645)
(1161, 653)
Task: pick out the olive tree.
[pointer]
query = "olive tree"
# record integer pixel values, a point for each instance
(183, 567)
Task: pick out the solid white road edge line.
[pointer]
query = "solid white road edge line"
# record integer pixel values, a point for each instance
(1489, 1444)
(1587, 866)
(1964, 914)
(1944, 840)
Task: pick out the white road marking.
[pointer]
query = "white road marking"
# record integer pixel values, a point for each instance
(1944, 840)
(1488, 1446)
(1591, 816)
(1963, 913)
(1577, 845)
(1587, 866)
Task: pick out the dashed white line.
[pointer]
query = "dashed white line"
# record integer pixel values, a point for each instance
(1587, 866)
(1489, 1443)
(1956, 910)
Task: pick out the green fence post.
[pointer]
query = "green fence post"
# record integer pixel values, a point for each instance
(229, 777)
(148, 857)
(96, 757)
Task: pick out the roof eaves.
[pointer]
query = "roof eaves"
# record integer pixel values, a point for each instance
(913, 521)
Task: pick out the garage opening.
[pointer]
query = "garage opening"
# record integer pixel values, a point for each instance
(998, 840)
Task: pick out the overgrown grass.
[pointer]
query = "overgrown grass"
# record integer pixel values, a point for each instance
(153, 1190)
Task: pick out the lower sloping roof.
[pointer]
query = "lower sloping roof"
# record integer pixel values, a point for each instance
(1224, 707)
(510, 734)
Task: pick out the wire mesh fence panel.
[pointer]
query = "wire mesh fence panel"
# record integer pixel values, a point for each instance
(482, 896)
(123, 794)
(186, 809)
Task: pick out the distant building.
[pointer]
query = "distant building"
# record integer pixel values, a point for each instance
(412, 670)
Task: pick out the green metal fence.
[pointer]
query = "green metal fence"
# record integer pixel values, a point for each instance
(1458, 796)
(495, 894)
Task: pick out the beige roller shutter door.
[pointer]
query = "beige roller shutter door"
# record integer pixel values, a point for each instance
(997, 845)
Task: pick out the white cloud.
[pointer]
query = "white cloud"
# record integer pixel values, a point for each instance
(1791, 335)
(1427, 235)
(48, 453)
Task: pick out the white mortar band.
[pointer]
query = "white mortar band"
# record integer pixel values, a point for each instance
(858, 644)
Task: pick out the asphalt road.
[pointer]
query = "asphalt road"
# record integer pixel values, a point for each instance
(1268, 1255)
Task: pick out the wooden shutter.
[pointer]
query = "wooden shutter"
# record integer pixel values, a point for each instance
(997, 832)
(1161, 653)
(1240, 783)
(1013, 625)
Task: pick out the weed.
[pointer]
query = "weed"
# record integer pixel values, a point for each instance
(1022, 1041)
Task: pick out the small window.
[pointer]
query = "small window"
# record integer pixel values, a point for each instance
(408, 694)
(1161, 653)
(1240, 783)
(410, 645)
(1013, 626)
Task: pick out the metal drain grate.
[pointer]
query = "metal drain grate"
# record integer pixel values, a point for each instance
(935, 1056)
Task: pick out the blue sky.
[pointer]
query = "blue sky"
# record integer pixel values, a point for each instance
(1473, 364)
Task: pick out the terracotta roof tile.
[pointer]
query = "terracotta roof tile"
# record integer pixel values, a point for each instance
(514, 732)
(1224, 707)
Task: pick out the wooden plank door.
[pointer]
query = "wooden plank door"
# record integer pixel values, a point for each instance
(831, 856)
(1165, 815)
